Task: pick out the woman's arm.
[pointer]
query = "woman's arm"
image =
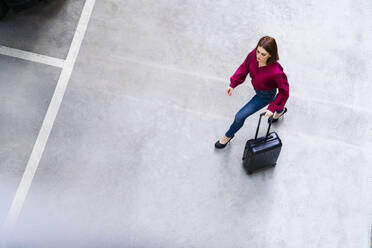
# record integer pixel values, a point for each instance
(283, 94)
(241, 73)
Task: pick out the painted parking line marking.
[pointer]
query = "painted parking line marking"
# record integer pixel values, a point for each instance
(49, 119)
(34, 57)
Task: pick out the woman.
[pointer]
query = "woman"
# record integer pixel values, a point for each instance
(267, 75)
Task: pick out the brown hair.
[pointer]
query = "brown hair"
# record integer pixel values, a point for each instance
(269, 44)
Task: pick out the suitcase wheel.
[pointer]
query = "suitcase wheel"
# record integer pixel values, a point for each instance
(274, 165)
(249, 172)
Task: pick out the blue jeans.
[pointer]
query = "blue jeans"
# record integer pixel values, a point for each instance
(260, 100)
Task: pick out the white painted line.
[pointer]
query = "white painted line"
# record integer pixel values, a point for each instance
(166, 67)
(49, 119)
(34, 57)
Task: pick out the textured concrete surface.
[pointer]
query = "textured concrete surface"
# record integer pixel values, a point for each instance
(131, 163)
(25, 92)
(46, 29)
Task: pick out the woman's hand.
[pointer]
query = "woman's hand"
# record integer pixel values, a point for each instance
(229, 91)
(268, 113)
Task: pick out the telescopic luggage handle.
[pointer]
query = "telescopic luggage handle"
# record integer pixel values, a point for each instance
(259, 122)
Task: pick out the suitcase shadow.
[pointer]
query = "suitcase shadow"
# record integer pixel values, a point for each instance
(269, 169)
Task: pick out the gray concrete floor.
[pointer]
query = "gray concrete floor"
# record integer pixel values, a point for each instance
(47, 29)
(130, 161)
(25, 92)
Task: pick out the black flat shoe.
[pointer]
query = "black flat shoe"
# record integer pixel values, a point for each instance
(220, 146)
(275, 120)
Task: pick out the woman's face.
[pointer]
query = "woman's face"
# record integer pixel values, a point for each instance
(262, 55)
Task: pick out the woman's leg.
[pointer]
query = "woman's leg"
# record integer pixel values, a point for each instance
(255, 104)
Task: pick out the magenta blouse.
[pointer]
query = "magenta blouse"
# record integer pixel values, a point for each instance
(266, 77)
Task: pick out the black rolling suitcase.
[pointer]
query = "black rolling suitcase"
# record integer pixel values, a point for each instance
(262, 152)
